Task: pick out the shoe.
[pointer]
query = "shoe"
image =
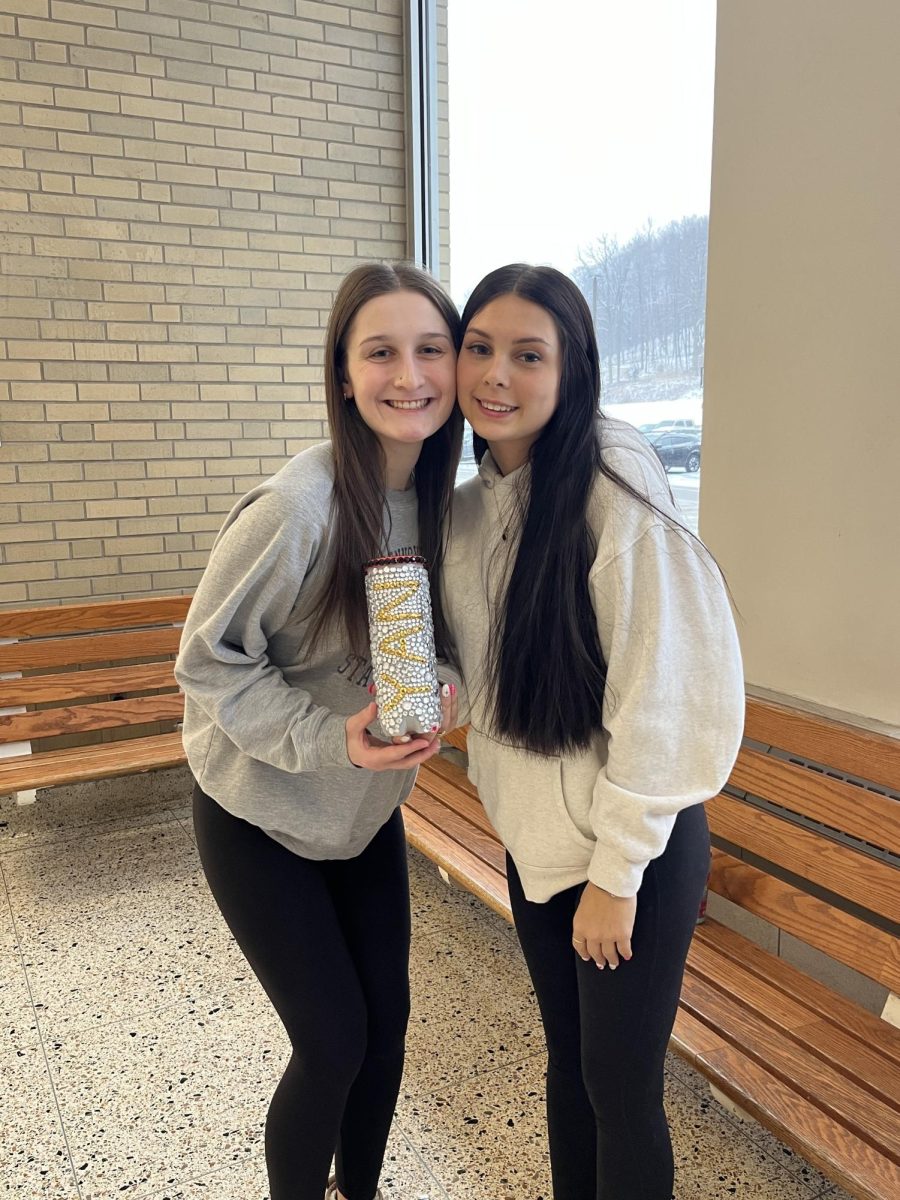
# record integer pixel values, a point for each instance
(331, 1190)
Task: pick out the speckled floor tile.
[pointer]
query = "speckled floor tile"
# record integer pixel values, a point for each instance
(750, 1128)
(715, 1158)
(472, 1011)
(185, 814)
(446, 911)
(487, 1137)
(403, 1177)
(35, 1160)
(104, 968)
(242, 1180)
(120, 922)
(167, 1096)
(97, 873)
(64, 813)
(18, 1025)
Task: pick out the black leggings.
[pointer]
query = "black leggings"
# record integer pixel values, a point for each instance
(607, 1031)
(329, 942)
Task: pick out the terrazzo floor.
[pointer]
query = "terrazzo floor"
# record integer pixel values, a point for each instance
(138, 1052)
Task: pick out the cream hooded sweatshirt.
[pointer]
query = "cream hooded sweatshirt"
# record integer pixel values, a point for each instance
(674, 703)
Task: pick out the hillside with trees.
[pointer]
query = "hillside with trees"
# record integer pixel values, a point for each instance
(648, 298)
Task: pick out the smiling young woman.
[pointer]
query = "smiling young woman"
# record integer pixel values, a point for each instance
(400, 371)
(508, 376)
(295, 803)
(606, 695)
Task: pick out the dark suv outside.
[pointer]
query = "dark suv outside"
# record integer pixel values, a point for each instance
(677, 447)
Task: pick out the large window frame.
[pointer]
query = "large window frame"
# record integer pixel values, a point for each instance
(422, 202)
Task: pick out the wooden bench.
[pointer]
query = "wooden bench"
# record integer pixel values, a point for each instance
(103, 672)
(806, 836)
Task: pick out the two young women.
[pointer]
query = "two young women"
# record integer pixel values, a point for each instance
(605, 702)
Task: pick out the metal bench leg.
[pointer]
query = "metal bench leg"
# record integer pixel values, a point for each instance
(728, 1104)
(891, 1010)
(16, 749)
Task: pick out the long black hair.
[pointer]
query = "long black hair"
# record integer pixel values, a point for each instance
(546, 674)
(356, 526)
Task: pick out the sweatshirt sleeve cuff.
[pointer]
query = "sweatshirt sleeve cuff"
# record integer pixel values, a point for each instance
(615, 874)
(332, 742)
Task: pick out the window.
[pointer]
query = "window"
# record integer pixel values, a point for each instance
(580, 135)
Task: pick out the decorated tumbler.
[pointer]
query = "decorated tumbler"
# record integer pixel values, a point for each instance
(401, 635)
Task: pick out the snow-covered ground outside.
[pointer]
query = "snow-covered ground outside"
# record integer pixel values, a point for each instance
(687, 406)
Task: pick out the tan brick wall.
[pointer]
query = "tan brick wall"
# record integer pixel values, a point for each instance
(182, 185)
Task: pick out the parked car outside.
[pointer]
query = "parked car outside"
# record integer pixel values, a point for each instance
(677, 447)
(677, 423)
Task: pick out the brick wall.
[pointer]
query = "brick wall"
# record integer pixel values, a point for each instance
(182, 184)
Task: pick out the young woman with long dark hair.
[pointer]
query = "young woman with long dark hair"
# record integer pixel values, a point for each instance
(296, 804)
(606, 696)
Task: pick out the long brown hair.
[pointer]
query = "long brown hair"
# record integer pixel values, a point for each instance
(545, 670)
(356, 526)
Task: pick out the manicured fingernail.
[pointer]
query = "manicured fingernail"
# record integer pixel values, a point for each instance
(600, 966)
(371, 689)
(434, 729)
(612, 966)
(452, 689)
(406, 738)
(445, 690)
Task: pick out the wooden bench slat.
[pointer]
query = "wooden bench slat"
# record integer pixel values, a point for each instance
(447, 769)
(834, 1093)
(799, 1122)
(448, 789)
(82, 763)
(836, 933)
(84, 718)
(867, 881)
(829, 1005)
(103, 647)
(861, 1061)
(75, 685)
(456, 737)
(470, 872)
(106, 614)
(691, 1038)
(867, 815)
(466, 835)
(859, 752)
(826, 1143)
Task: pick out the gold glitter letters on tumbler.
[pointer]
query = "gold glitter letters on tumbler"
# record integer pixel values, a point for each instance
(402, 639)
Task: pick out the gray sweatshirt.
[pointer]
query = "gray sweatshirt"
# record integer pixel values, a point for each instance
(674, 703)
(264, 720)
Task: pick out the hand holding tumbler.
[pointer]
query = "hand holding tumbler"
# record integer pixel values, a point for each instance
(401, 635)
